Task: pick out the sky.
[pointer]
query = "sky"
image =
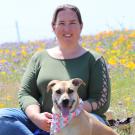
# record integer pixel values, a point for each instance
(24, 20)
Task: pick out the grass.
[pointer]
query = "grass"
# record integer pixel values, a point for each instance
(8, 95)
(118, 48)
(123, 91)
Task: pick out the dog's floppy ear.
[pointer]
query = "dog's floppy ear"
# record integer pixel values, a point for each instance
(51, 84)
(78, 82)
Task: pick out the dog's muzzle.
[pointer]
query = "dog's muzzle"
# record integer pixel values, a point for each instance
(65, 102)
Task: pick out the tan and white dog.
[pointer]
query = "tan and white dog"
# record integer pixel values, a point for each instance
(66, 101)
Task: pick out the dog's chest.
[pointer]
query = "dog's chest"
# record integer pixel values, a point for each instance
(78, 126)
(69, 130)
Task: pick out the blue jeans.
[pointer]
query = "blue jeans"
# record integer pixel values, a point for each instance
(14, 121)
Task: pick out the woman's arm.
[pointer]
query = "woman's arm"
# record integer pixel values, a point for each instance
(29, 95)
(99, 88)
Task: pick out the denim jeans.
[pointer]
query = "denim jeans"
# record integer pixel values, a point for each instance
(14, 121)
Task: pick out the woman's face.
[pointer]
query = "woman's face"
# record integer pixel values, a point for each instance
(67, 27)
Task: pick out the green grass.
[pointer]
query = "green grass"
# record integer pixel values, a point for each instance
(123, 91)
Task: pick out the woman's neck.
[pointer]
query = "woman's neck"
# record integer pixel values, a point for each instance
(66, 53)
(69, 50)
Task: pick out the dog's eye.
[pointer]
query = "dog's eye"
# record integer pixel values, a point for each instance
(58, 91)
(70, 91)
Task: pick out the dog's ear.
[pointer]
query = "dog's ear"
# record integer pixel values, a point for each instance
(51, 84)
(78, 82)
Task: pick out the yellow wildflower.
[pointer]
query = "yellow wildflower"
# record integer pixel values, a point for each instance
(132, 35)
(100, 49)
(13, 53)
(2, 105)
(129, 46)
(131, 65)
(127, 100)
(113, 51)
(1, 51)
(39, 49)
(3, 73)
(123, 61)
(97, 36)
(121, 39)
(112, 61)
(84, 44)
(7, 51)
(3, 61)
(23, 47)
(115, 44)
(8, 98)
(24, 53)
(99, 44)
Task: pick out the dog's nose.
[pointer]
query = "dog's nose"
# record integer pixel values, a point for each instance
(65, 102)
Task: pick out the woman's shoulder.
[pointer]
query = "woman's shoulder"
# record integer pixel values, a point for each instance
(39, 55)
(93, 54)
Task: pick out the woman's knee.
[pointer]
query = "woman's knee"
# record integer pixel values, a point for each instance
(14, 121)
(10, 125)
(14, 113)
(11, 115)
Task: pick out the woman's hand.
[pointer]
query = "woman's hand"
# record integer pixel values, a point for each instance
(43, 121)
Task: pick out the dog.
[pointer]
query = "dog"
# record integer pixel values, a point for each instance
(69, 117)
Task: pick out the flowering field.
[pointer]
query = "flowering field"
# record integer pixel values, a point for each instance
(118, 48)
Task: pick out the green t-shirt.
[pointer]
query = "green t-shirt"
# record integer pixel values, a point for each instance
(43, 68)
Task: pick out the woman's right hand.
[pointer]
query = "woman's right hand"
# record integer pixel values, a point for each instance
(43, 121)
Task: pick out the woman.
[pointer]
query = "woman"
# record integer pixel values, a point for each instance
(65, 61)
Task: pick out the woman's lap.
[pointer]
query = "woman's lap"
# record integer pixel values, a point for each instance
(14, 121)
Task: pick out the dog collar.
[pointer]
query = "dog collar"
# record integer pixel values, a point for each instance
(59, 121)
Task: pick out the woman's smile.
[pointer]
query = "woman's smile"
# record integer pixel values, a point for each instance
(67, 28)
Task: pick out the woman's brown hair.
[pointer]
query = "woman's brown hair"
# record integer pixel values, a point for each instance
(64, 7)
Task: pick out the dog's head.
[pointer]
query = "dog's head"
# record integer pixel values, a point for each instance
(64, 95)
